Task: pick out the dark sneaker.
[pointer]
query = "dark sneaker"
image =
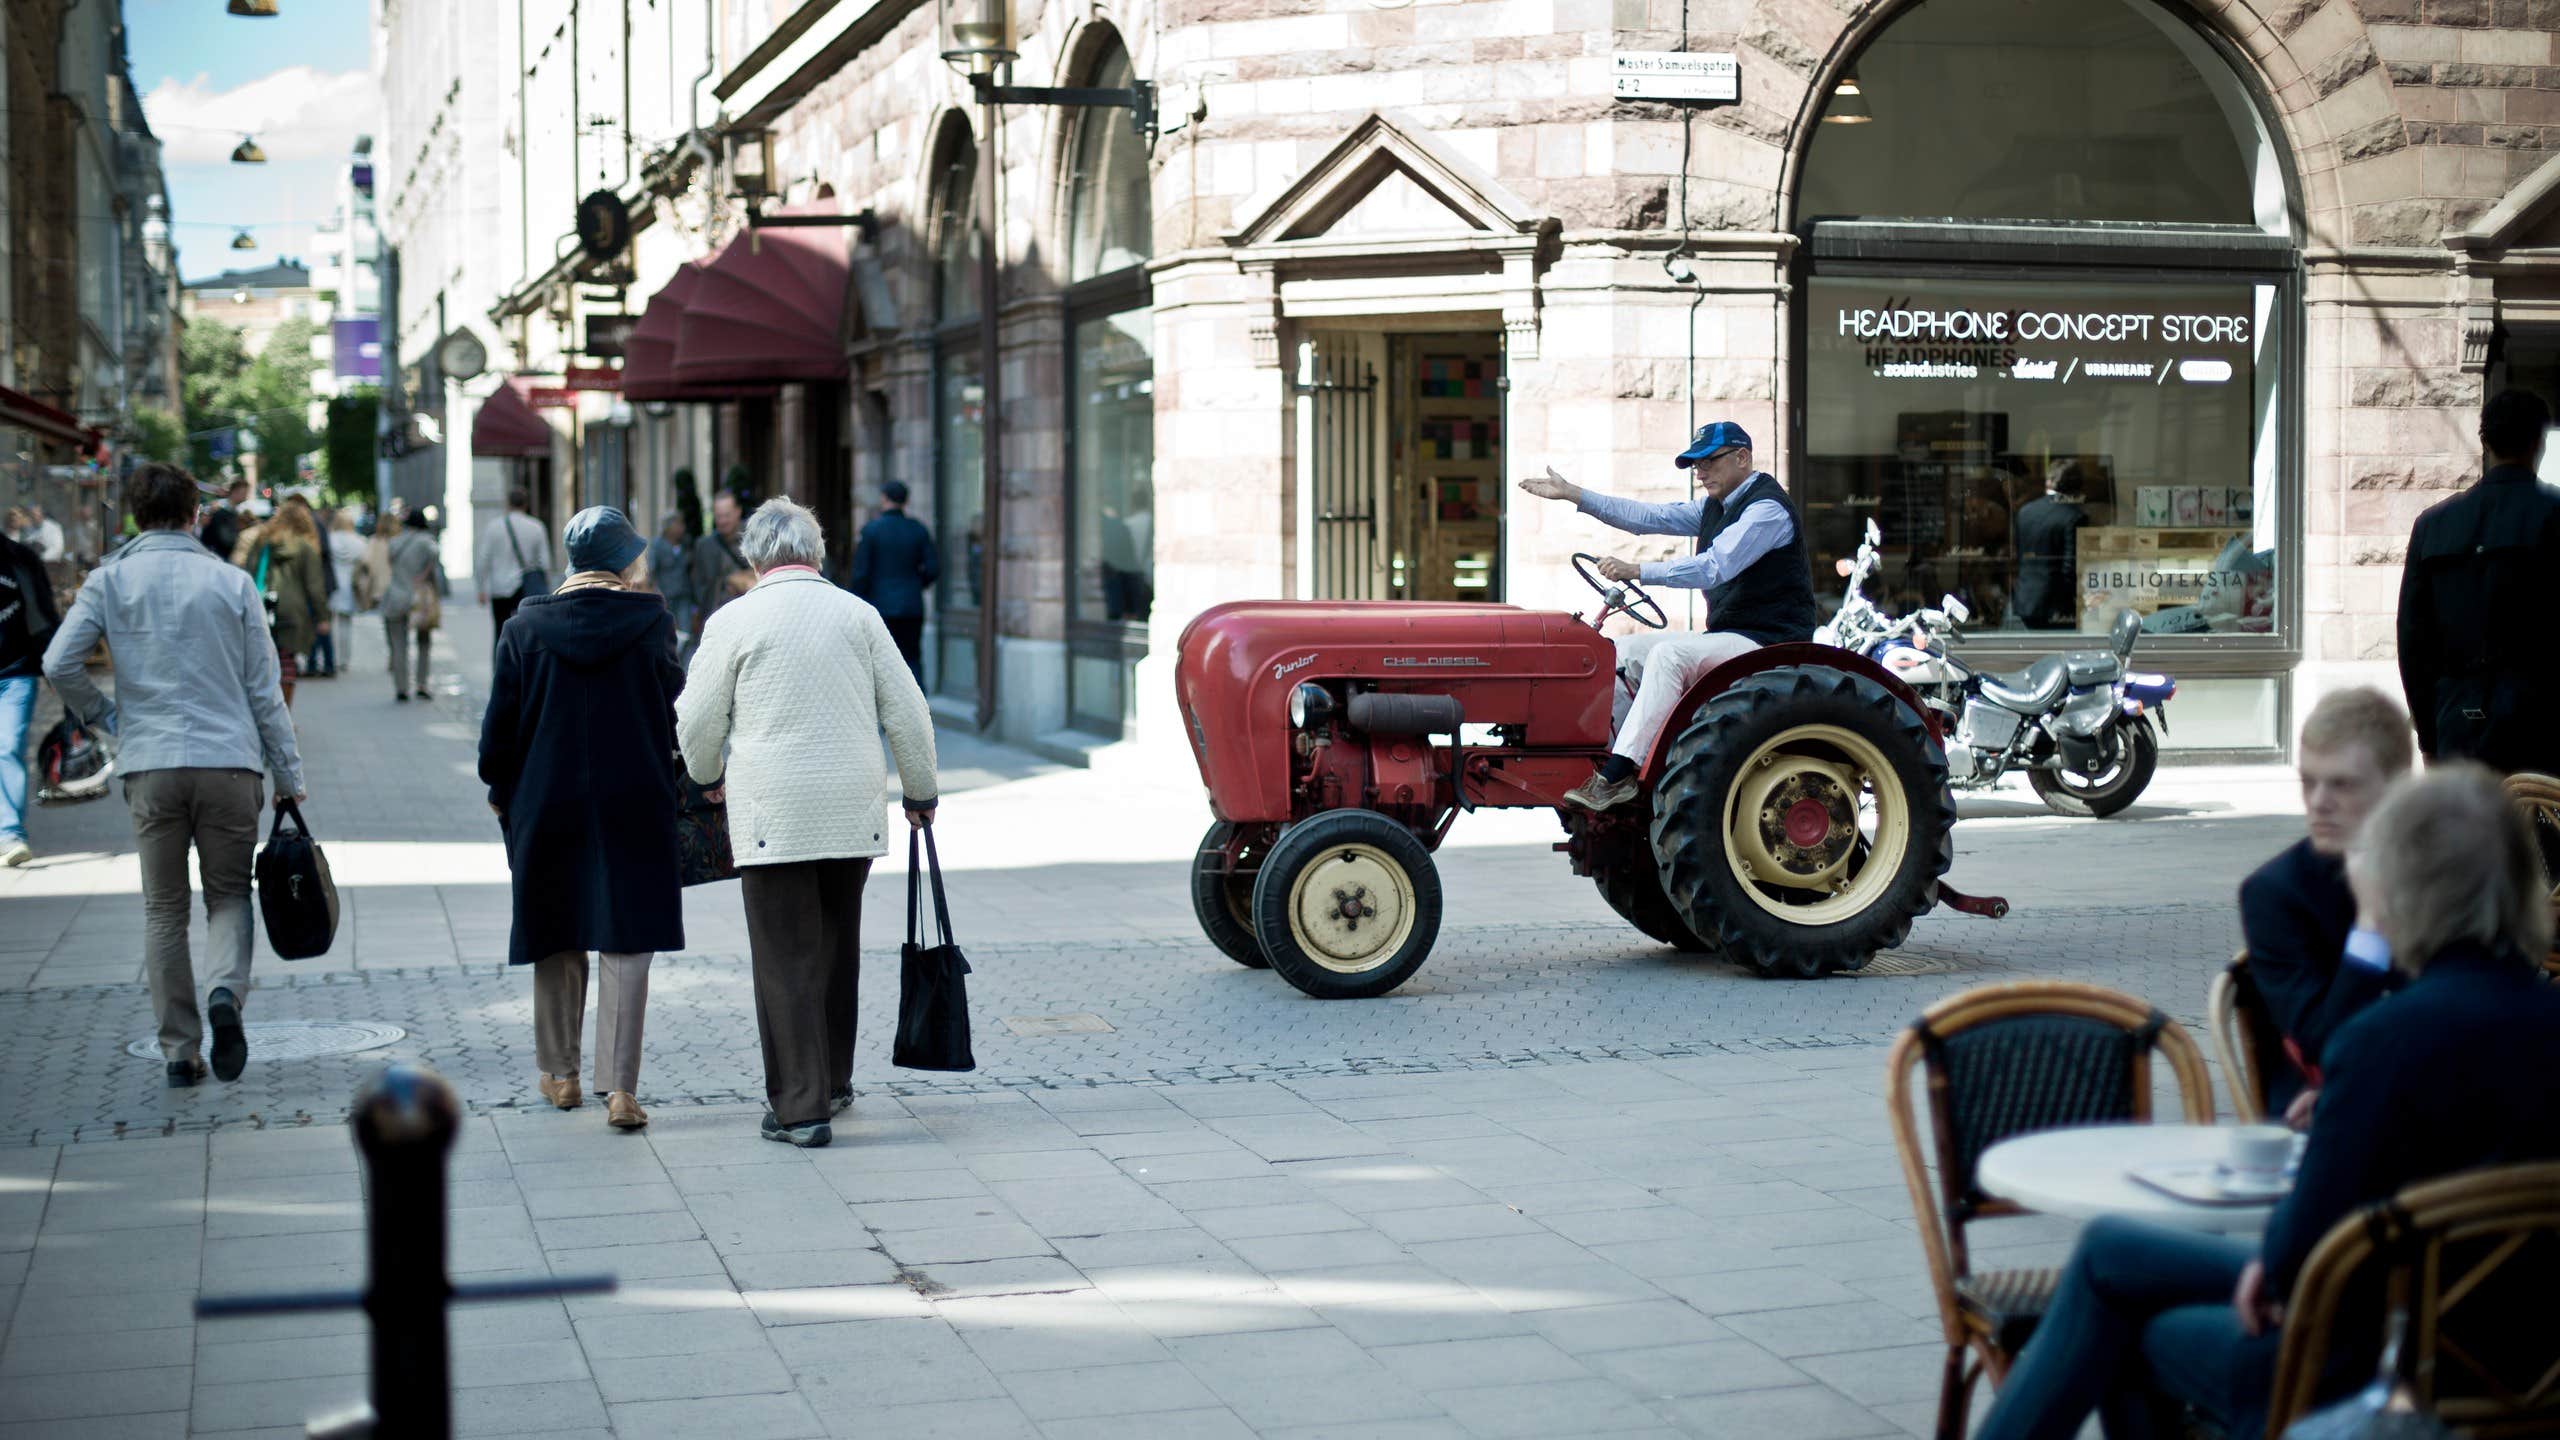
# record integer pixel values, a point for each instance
(402, 697)
(811, 1136)
(1598, 794)
(841, 1101)
(185, 1074)
(230, 1047)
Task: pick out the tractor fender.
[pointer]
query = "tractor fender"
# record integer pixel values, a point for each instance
(1771, 657)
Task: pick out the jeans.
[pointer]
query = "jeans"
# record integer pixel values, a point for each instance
(2142, 1312)
(215, 812)
(17, 707)
(323, 659)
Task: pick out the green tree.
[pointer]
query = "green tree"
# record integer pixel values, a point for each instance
(158, 435)
(211, 361)
(346, 464)
(277, 393)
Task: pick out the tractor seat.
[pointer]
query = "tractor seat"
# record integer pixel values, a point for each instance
(2031, 691)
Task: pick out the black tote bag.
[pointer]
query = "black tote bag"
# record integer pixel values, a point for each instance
(296, 898)
(933, 991)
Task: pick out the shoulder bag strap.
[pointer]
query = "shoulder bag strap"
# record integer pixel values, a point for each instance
(933, 867)
(508, 524)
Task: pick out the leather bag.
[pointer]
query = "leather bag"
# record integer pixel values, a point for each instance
(933, 989)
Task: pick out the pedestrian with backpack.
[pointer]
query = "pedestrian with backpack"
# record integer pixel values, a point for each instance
(27, 620)
(200, 727)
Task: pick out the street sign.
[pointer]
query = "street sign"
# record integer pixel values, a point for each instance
(551, 397)
(1696, 75)
(606, 334)
(591, 377)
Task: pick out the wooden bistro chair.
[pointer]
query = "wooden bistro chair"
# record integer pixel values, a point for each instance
(2245, 1041)
(2471, 1261)
(2537, 799)
(2000, 1061)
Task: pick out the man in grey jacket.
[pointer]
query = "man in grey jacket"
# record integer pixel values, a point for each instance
(197, 715)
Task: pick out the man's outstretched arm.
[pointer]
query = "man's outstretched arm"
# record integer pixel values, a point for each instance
(1636, 517)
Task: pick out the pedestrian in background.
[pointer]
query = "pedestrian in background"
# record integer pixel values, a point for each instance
(514, 560)
(412, 574)
(220, 528)
(197, 713)
(720, 569)
(346, 560)
(322, 663)
(285, 561)
(2048, 548)
(671, 569)
(893, 562)
(2482, 575)
(27, 620)
(791, 691)
(575, 748)
(44, 535)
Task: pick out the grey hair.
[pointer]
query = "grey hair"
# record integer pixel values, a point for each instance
(782, 532)
(2446, 859)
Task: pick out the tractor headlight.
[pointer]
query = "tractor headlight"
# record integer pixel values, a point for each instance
(1310, 706)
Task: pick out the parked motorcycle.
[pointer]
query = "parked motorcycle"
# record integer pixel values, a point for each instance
(2078, 725)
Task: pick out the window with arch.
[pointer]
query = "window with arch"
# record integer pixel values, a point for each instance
(1111, 433)
(959, 409)
(2046, 335)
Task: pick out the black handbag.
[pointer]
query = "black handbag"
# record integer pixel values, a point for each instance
(702, 834)
(296, 898)
(933, 991)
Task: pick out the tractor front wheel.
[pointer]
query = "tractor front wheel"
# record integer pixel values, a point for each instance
(1347, 904)
(1803, 821)
(1222, 899)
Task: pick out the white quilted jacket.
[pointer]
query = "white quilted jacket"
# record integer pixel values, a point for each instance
(799, 680)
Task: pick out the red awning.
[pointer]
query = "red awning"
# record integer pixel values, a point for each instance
(768, 308)
(649, 352)
(507, 426)
(26, 412)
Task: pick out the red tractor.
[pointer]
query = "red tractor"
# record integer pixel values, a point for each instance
(1794, 816)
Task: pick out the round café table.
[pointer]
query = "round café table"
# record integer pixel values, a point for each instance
(2082, 1173)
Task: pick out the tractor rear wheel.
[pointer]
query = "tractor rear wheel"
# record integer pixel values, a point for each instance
(1632, 884)
(1223, 901)
(1803, 821)
(1347, 904)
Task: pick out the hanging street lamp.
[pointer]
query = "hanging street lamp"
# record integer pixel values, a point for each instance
(247, 152)
(253, 9)
(1848, 103)
(244, 241)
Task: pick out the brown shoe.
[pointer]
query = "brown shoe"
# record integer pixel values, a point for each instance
(624, 1113)
(560, 1090)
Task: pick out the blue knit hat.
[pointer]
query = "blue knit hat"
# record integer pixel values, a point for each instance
(601, 538)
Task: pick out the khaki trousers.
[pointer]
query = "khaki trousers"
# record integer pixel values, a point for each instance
(395, 630)
(1667, 663)
(560, 1012)
(215, 812)
(804, 932)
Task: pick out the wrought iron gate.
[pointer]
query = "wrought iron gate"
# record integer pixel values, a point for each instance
(1341, 469)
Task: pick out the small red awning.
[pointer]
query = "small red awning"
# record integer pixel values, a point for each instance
(507, 426)
(26, 412)
(768, 308)
(649, 352)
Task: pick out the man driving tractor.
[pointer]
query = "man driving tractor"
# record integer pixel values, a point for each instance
(1750, 561)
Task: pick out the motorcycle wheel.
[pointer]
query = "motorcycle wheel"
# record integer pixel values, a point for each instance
(2108, 794)
(1223, 904)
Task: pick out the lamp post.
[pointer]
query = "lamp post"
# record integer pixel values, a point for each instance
(977, 38)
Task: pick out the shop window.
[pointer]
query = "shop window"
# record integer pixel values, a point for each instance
(955, 242)
(959, 416)
(1112, 224)
(2049, 451)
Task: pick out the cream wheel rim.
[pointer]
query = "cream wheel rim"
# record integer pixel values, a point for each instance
(1793, 831)
(1351, 908)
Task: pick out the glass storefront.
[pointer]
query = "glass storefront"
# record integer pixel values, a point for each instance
(1112, 589)
(959, 435)
(2050, 451)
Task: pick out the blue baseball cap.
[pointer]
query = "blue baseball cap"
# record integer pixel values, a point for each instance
(1719, 436)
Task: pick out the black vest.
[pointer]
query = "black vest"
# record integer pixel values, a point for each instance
(1771, 601)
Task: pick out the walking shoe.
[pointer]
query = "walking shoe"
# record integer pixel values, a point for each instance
(808, 1137)
(230, 1047)
(1598, 794)
(560, 1090)
(16, 853)
(841, 1101)
(401, 696)
(622, 1112)
(185, 1074)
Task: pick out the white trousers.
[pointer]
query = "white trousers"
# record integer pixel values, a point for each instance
(1662, 665)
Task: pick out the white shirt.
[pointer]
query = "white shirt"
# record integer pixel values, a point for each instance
(45, 539)
(495, 562)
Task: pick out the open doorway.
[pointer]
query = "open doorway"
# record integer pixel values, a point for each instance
(1399, 465)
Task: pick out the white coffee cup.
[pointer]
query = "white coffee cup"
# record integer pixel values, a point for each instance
(2260, 1151)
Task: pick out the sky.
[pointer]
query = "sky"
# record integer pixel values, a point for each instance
(302, 83)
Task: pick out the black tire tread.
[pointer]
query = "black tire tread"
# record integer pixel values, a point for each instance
(1632, 885)
(1688, 819)
(1233, 938)
(1302, 843)
(2061, 799)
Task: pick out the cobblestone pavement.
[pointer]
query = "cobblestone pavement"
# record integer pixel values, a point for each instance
(1564, 1182)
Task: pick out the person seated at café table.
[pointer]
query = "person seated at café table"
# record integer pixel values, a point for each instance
(2452, 1072)
(2312, 965)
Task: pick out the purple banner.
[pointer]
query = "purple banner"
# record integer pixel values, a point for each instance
(358, 344)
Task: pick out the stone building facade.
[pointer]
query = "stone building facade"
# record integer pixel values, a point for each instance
(2228, 277)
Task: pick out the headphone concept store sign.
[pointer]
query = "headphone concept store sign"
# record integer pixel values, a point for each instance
(2184, 339)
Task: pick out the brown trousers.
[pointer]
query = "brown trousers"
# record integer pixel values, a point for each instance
(804, 934)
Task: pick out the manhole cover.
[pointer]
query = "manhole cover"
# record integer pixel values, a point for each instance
(1892, 965)
(296, 1039)
(1079, 1023)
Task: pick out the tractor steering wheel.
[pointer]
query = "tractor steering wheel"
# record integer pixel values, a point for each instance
(1619, 597)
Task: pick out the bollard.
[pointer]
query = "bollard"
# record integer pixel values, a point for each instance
(405, 1120)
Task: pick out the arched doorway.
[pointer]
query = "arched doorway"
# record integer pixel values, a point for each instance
(2048, 337)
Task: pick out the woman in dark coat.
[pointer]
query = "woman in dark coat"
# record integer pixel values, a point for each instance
(577, 747)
